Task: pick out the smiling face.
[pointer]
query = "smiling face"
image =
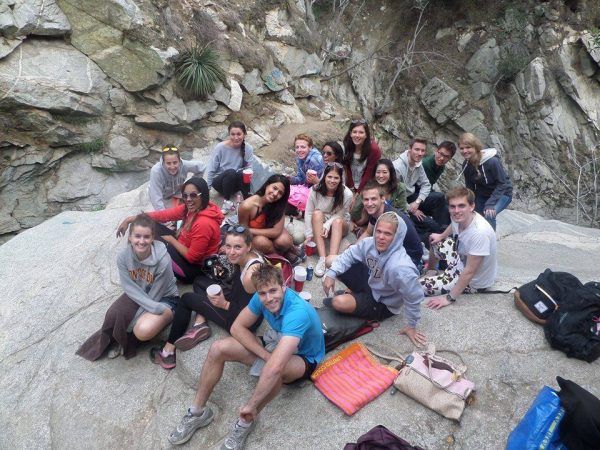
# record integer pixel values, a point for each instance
(372, 201)
(382, 174)
(236, 248)
(416, 152)
(191, 197)
(171, 163)
(460, 209)
(467, 150)
(442, 156)
(141, 239)
(274, 192)
(332, 181)
(236, 136)
(271, 296)
(384, 235)
(302, 148)
(358, 135)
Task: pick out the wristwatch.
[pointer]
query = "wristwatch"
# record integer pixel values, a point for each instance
(450, 298)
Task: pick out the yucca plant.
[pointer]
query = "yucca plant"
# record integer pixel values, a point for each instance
(198, 70)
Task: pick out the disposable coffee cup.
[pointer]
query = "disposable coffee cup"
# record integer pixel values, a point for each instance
(213, 289)
(311, 248)
(311, 172)
(306, 296)
(247, 175)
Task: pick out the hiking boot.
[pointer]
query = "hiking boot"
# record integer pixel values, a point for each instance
(166, 362)
(189, 424)
(237, 436)
(193, 336)
(227, 207)
(320, 267)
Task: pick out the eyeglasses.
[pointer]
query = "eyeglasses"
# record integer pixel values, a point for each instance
(359, 121)
(192, 195)
(170, 149)
(239, 229)
(335, 164)
(443, 155)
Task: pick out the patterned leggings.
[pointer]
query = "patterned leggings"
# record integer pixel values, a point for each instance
(444, 282)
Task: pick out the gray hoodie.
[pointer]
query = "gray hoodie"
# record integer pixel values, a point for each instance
(412, 176)
(224, 157)
(393, 278)
(146, 282)
(163, 185)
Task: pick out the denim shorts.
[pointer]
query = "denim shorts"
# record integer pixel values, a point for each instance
(171, 302)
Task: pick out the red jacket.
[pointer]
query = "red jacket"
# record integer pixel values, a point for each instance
(367, 174)
(203, 238)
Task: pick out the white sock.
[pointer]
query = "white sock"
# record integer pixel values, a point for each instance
(242, 423)
(196, 410)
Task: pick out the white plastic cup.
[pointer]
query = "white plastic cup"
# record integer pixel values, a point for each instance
(306, 296)
(213, 289)
(247, 175)
(299, 273)
(311, 172)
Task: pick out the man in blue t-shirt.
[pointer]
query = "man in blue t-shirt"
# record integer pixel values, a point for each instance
(295, 357)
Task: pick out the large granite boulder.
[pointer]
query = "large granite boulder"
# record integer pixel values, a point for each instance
(31, 77)
(37, 17)
(296, 61)
(60, 277)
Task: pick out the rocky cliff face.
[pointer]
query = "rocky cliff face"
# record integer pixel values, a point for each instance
(88, 97)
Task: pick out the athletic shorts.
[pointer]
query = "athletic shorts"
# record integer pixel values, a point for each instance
(369, 308)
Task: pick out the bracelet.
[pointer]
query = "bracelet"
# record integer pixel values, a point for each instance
(450, 298)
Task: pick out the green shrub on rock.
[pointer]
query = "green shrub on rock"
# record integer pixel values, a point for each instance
(198, 70)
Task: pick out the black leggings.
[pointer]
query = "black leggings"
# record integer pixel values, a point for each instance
(198, 301)
(184, 270)
(229, 182)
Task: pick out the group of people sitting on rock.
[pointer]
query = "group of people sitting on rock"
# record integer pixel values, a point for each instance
(389, 204)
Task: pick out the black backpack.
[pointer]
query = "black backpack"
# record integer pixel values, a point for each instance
(539, 298)
(575, 327)
(380, 438)
(580, 427)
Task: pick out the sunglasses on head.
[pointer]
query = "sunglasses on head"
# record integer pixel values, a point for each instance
(335, 164)
(192, 195)
(359, 122)
(239, 229)
(170, 149)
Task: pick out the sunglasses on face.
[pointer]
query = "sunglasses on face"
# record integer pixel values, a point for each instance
(328, 153)
(239, 229)
(170, 149)
(192, 195)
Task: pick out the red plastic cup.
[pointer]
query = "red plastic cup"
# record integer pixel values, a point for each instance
(298, 285)
(247, 175)
(311, 248)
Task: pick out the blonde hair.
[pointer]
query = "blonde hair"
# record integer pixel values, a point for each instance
(472, 141)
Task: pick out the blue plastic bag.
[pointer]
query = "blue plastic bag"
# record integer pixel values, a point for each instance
(539, 428)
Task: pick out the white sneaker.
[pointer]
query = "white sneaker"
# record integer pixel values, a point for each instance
(320, 267)
(227, 207)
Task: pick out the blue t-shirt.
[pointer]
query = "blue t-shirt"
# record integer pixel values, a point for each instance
(296, 318)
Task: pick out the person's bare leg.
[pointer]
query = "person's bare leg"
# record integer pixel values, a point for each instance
(149, 325)
(284, 242)
(317, 225)
(220, 352)
(338, 230)
(263, 244)
(344, 303)
(293, 370)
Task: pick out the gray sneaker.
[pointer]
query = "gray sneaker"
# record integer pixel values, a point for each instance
(237, 437)
(189, 424)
